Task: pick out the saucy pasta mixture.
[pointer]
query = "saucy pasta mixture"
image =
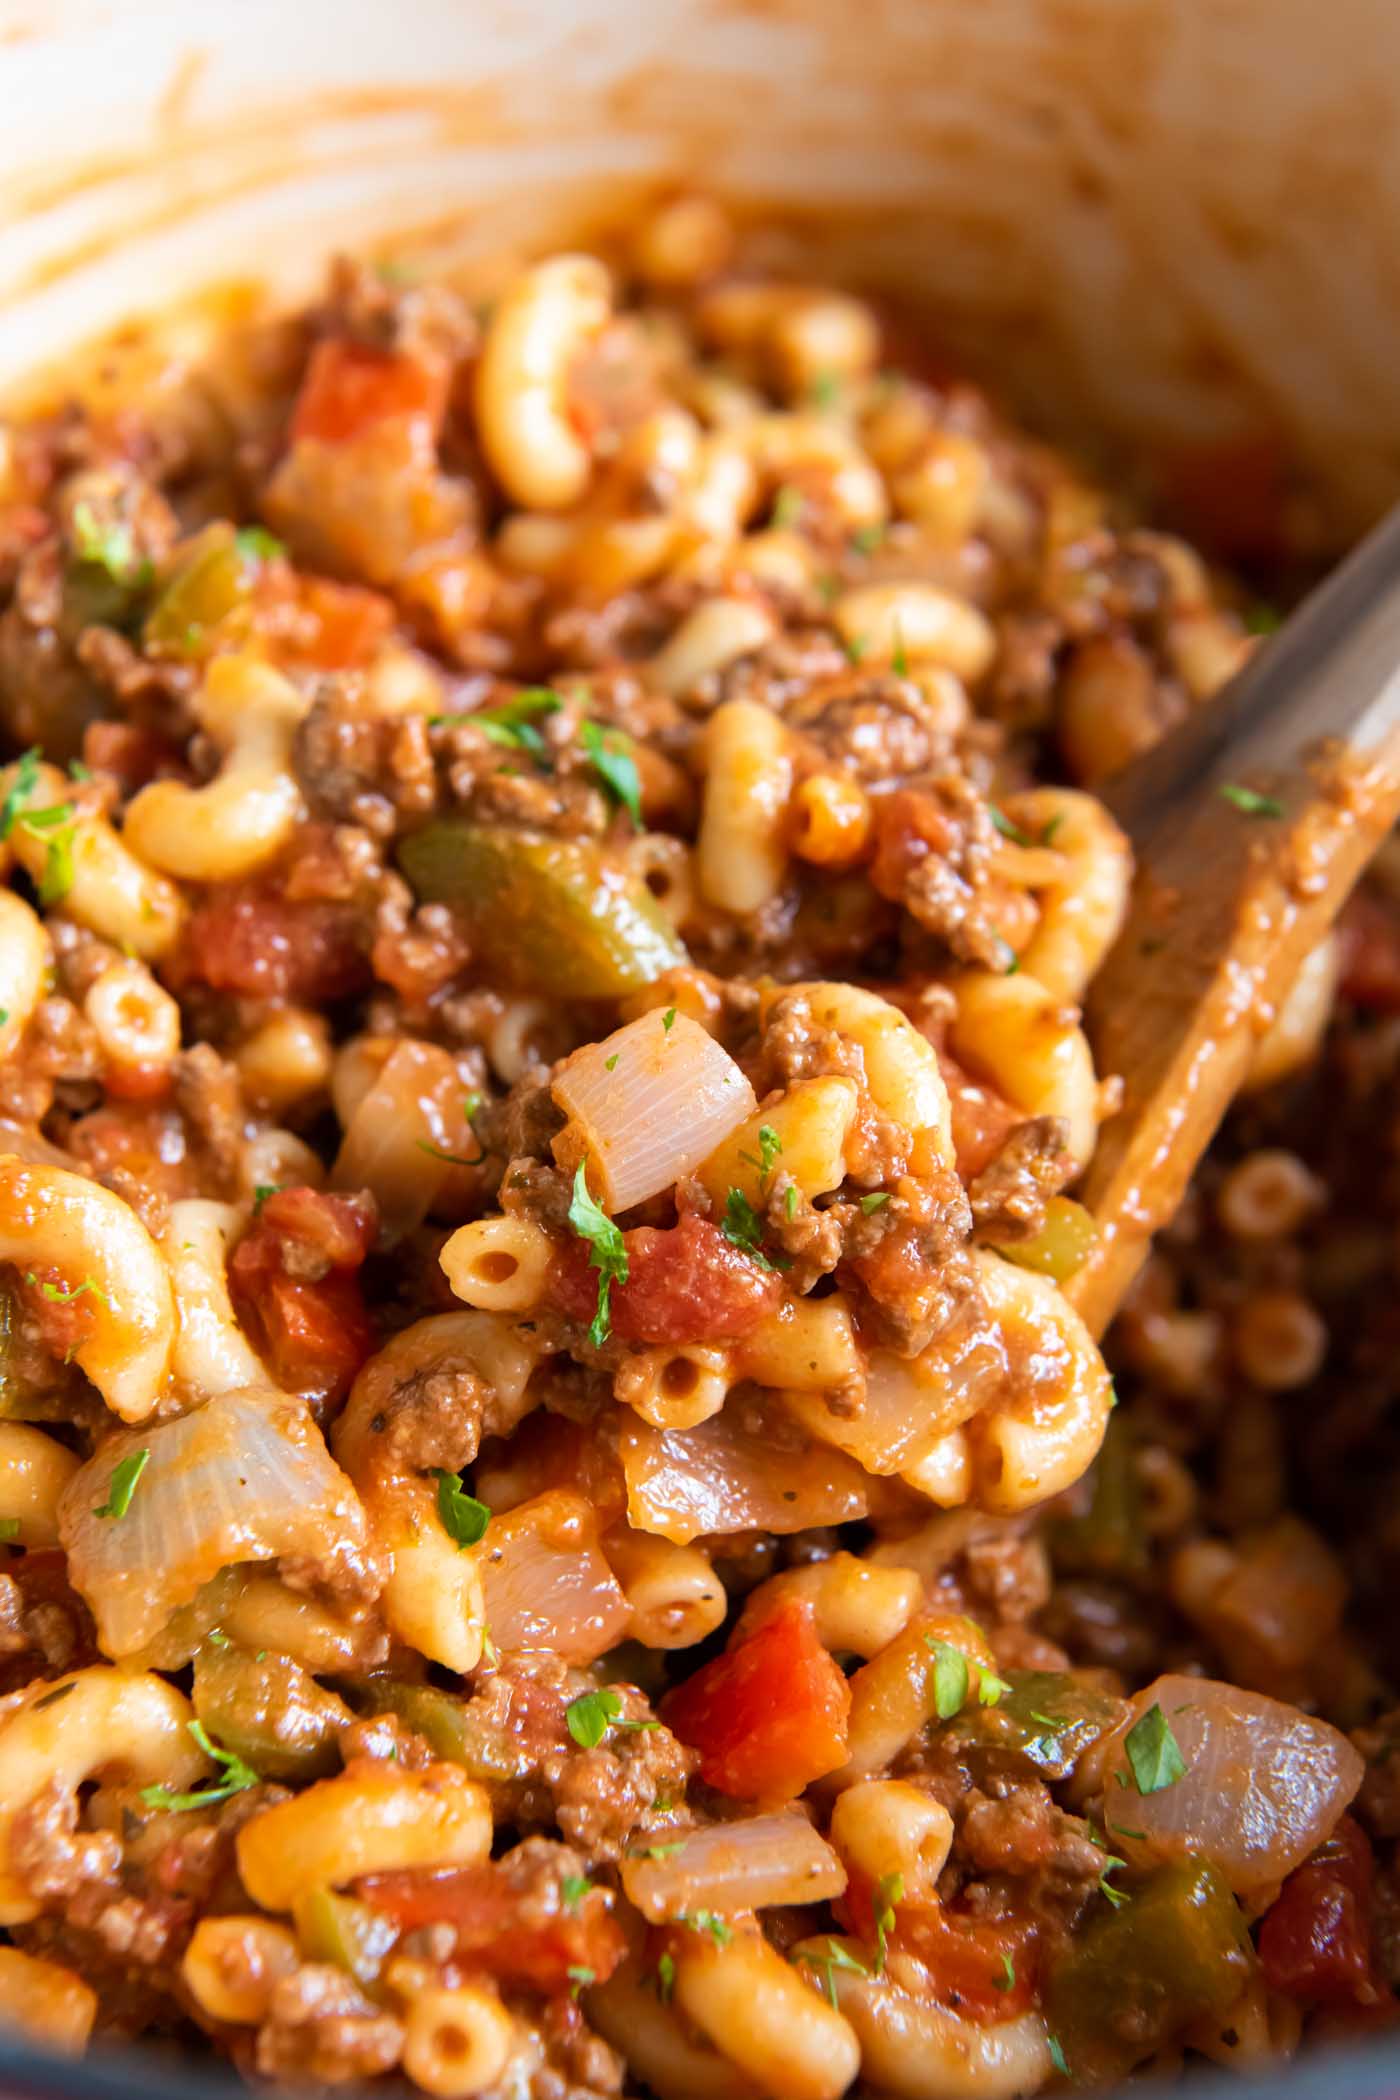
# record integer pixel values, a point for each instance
(563, 1535)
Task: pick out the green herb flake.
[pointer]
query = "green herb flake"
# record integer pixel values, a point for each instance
(590, 1716)
(610, 755)
(608, 1249)
(122, 1485)
(78, 771)
(1250, 803)
(790, 1199)
(1002, 823)
(867, 538)
(610, 1063)
(59, 1692)
(464, 1519)
(899, 658)
(580, 1976)
(54, 826)
(217, 1638)
(258, 544)
(110, 546)
(829, 1959)
(991, 1689)
(668, 1020)
(769, 1146)
(707, 1921)
(950, 1678)
(572, 1889)
(1117, 1897)
(451, 1159)
(23, 781)
(513, 723)
(1154, 1753)
(826, 390)
(261, 1193)
(877, 1201)
(59, 1293)
(234, 1778)
(889, 1891)
(1057, 2055)
(1007, 1979)
(1047, 836)
(743, 1228)
(857, 648)
(661, 1851)
(665, 1978)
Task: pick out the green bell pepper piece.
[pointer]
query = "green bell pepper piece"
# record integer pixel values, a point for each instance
(1109, 1538)
(556, 915)
(1042, 1725)
(1177, 1952)
(435, 1715)
(268, 1711)
(348, 1934)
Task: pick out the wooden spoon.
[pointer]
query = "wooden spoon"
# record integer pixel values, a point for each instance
(1250, 824)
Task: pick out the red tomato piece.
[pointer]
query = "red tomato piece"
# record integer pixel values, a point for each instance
(982, 1119)
(349, 387)
(250, 938)
(1316, 1942)
(499, 1928)
(687, 1283)
(770, 1716)
(312, 1328)
(983, 1968)
(347, 623)
(1369, 936)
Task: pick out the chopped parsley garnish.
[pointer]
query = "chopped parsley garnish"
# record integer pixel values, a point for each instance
(790, 1199)
(661, 1851)
(610, 1063)
(234, 1777)
(110, 546)
(866, 538)
(826, 390)
(59, 1692)
(899, 657)
(608, 1249)
(1007, 1979)
(991, 1689)
(122, 1485)
(856, 648)
(950, 1678)
(573, 1888)
(513, 723)
(875, 1202)
(59, 1294)
(829, 1960)
(1117, 1897)
(707, 1921)
(464, 1519)
(1057, 2055)
(54, 827)
(1154, 1753)
(769, 1146)
(580, 1975)
(23, 782)
(889, 1891)
(217, 1638)
(610, 755)
(665, 1978)
(1047, 835)
(258, 543)
(1002, 823)
(590, 1716)
(1251, 803)
(742, 1228)
(451, 1159)
(668, 1020)
(261, 1193)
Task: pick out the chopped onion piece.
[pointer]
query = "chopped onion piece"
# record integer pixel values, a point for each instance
(246, 1477)
(735, 1867)
(911, 1404)
(546, 1583)
(405, 1135)
(1264, 1783)
(766, 1476)
(647, 1104)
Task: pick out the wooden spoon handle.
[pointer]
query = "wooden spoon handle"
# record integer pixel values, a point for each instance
(1230, 899)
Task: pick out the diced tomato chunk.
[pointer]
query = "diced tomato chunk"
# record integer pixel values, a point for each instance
(1369, 936)
(686, 1283)
(346, 623)
(1316, 1943)
(249, 938)
(982, 1119)
(984, 1968)
(349, 387)
(501, 1927)
(294, 1288)
(770, 1716)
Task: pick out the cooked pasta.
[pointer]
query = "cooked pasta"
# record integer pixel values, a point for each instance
(560, 1533)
